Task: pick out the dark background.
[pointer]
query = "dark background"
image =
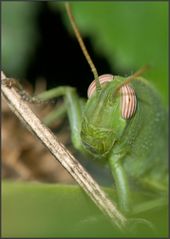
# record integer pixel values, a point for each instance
(58, 58)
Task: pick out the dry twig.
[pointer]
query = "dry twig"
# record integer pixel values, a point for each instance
(32, 122)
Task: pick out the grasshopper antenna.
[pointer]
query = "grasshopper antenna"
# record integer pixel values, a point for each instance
(132, 77)
(82, 46)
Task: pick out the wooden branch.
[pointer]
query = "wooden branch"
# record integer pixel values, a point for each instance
(66, 159)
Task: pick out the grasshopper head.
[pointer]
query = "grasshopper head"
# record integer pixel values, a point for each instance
(105, 115)
(97, 140)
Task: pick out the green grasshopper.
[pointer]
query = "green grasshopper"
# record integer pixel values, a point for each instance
(123, 123)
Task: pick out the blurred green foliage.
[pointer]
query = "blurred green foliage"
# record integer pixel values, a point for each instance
(49, 210)
(130, 35)
(19, 36)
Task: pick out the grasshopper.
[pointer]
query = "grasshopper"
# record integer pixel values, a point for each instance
(123, 123)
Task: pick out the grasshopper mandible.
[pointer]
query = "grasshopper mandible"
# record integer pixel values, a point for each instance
(123, 123)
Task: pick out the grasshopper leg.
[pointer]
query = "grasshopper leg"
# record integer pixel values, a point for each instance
(121, 182)
(150, 205)
(72, 106)
(58, 113)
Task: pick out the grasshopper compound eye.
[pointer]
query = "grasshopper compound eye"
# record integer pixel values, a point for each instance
(128, 96)
(103, 79)
(128, 101)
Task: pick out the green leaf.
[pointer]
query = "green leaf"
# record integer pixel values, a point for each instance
(129, 35)
(18, 36)
(55, 210)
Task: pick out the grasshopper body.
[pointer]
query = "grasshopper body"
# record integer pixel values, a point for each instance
(141, 141)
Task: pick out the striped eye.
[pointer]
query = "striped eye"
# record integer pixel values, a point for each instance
(103, 79)
(128, 101)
